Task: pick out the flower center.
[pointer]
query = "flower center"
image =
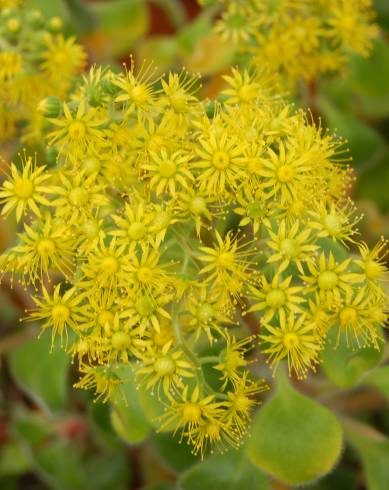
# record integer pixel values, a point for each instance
(253, 165)
(136, 231)
(164, 366)
(241, 403)
(109, 265)
(348, 316)
(105, 317)
(247, 92)
(46, 247)
(333, 224)
(275, 298)
(289, 247)
(291, 341)
(212, 430)
(139, 94)
(205, 313)
(144, 306)
(144, 274)
(167, 168)
(198, 205)
(372, 269)
(90, 228)
(120, 340)
(226, 259)
(221, 160)
(91, 165)
(23, 188)
(328, 280)
(255, 210)
(191, 413)
(285, 173)
(77, 130)
(78, 197)
(179, 100)
(60, 312)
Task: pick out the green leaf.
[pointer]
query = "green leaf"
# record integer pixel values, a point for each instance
(379, 378)
(370, 75)
(345, 366)
(127, 416)
(374, 184)
(41, 374)
(373, 449)
(229, 471)
(363, 141)
(294, 438)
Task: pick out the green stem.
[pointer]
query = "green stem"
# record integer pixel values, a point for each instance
(192, 356)
(209, 360)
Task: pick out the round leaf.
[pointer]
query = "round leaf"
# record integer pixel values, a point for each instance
(294, 438)
(42, 374)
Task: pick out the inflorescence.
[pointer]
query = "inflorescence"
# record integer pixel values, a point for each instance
(175, 236)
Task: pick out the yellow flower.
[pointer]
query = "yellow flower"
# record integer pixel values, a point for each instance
(277, 297)
(103, 380)
(25, 189)
(241, 402)
(294, 339)
(358, 319)
(286, 174)
(232, 360)
(167, 171)
(146, 310)
(226, 258)
(188, 412)
(10, 65)
(220, 161)
(119, 342)
(165, 367)
(330, 278)
(77, 132)
(105, 267)
(78, 197)
(137, 91)
(45, 248)
(291, 245)
(335, 221)
(145, 275)
(59, 311)
(207, 313)
(62, 59)
(372, 264)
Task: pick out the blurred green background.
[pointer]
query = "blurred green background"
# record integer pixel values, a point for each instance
(55, 437)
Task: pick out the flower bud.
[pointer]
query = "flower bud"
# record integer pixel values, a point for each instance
(50, 106)
(35, 19)
(14, 25)
(55, 24)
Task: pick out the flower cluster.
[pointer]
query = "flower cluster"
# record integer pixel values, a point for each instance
(35, 61)
(301, 39)
(175, 236)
